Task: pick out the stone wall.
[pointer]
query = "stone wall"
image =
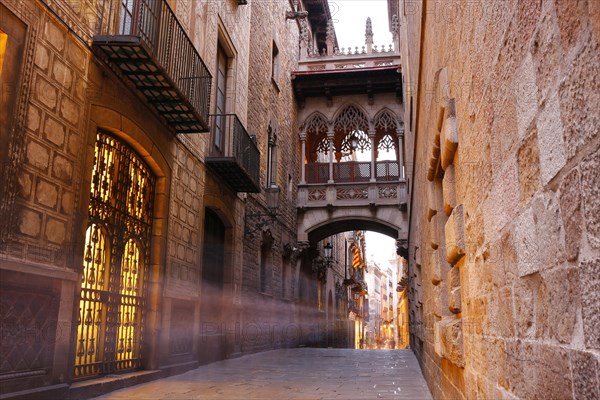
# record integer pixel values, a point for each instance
(504, 208)
(64, 93)
(63, 96)
(272, 107)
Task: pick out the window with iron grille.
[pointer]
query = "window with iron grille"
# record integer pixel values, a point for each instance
(272, 158)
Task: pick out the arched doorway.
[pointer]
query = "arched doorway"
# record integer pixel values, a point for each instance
(213, 273)
(111, 318)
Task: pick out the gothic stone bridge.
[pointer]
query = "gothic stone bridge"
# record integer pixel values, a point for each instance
(352, 138)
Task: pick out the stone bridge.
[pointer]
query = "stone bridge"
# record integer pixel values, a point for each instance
(351, 122)
(330, 208)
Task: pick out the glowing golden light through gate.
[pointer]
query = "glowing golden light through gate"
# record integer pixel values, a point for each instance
(113, 283)
(3, 40)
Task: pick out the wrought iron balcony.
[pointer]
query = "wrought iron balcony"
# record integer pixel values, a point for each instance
(144, 42)
(234, 156)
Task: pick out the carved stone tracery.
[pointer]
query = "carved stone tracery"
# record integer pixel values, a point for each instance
(395, 27)
(362, 140)
(352, 193)
(386, 121)
(387, 143)
(351, 118)
(351, 121)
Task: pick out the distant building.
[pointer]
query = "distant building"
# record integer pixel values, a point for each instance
(381, 327)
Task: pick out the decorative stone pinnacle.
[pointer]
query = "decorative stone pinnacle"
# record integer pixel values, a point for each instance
(369, 32)
(395, 26)
(303, 32)
(330, 37)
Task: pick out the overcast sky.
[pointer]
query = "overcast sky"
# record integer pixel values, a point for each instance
(350, 17)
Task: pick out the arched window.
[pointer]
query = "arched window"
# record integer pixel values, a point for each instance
(266, 262)
(351, 123)
(117, 248)
(316, 130)
(386, 126)
(272, 157)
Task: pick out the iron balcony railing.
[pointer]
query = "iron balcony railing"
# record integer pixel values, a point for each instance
(387, 171)
(353, 171)
(317, 173)
(152, 26)
(233, 153)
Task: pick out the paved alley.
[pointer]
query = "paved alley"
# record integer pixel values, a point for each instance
(294, 374)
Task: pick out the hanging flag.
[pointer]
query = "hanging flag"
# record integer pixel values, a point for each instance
(356, 259)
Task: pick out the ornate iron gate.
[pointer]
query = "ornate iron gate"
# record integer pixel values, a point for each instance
(117, 246)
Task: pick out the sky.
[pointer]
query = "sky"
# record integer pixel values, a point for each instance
(380, 248)
(349, 18)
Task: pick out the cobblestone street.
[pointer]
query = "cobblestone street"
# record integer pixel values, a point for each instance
(294, 374)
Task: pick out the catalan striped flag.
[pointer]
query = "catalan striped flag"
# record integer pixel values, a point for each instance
(356, 258)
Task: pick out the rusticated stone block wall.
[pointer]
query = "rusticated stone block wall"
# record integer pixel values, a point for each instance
(519, 212)
(45, 150)
(62, 95)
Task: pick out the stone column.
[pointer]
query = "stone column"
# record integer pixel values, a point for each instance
(330, 134)
(373, 155)
(400, 133)
(303, 161)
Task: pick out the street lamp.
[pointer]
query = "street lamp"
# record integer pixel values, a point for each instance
(327, 250)
(254, 221)
(354, 141)
(323, 262)
(348, 281)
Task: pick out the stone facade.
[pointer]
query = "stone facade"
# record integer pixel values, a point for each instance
(502, 123)
(62, 93)
(496, 109)
(271, 116)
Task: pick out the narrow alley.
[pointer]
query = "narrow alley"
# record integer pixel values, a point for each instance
(299, 199)
(302, 373)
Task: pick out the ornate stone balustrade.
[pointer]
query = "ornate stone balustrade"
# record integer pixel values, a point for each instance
(354, 194)
(349, 61)
(368, 55)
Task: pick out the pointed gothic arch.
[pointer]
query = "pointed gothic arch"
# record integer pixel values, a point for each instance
(386, 124)
(350, 119)
(385, 120)
(351, 116)
(316, 126)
